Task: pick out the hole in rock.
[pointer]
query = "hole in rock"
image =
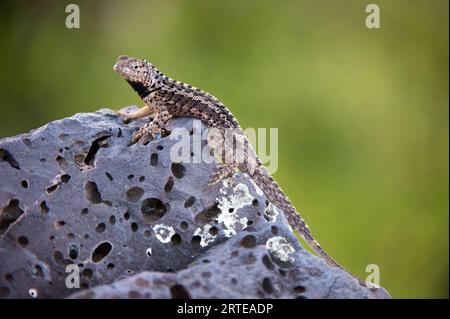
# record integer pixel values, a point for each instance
(154, 159)
(62, 163)
(101, 251)
(299, 289)
(153, 209)
(52, 188)
(267, 285)
(59, 258)
(178, 170)
(23, 241)
(165, 133)
(196, 241)
(213, 231)
(60, 223)
(92, 193)
(274, 230)
(87, 273)
(175, 239)
(184, 225)
(248, 241)
(109, 176)
(179, 292)
(6, 156)
(100, 228)
(65, 178)
(267, 263)
(9, 214)
(189, 202)
(95, 146)
(134, 193)
(44, 208)
(134, 227)
(38, 271)
(169, 184)
(24, 184)
(73, 251)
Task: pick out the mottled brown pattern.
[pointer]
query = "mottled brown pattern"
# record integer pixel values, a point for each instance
(173, 98)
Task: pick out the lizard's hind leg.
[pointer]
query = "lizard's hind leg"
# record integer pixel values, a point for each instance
(227, 150)
(222, 171)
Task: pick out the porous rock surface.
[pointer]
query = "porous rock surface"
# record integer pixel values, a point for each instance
(137, 225)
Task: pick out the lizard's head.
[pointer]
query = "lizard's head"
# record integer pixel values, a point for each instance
(141, 75)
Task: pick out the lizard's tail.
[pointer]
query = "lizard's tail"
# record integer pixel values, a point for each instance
(275, 194)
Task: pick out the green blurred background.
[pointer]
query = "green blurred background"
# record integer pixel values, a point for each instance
(362, 114)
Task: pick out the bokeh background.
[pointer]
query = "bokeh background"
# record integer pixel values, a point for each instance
(362, 114)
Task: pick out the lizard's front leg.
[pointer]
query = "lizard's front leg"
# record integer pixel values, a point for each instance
(151, 129)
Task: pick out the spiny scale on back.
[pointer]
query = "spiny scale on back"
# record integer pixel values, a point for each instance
(173, 98)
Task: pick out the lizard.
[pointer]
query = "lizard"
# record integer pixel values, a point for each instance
(167, 98)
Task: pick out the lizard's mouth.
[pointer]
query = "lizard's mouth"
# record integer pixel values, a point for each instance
(117, 67)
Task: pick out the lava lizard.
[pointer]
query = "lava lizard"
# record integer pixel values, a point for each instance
(166, 98)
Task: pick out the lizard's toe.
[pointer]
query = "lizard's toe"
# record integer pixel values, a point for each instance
(145, 138)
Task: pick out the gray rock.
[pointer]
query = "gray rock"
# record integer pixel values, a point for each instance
(137, 225)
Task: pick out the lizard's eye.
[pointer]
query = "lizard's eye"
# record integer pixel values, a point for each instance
(135, 67)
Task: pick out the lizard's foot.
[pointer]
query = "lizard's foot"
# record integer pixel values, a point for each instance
(223, 171)
(147, 133)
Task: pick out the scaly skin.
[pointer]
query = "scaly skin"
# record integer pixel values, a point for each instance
(168, 98)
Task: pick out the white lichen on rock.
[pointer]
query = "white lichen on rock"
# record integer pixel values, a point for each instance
(205, 236)
(163, 232)
(271, 212)
(279, 248)
(229, 204)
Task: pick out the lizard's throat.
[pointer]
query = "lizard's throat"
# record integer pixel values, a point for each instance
(141, 89)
